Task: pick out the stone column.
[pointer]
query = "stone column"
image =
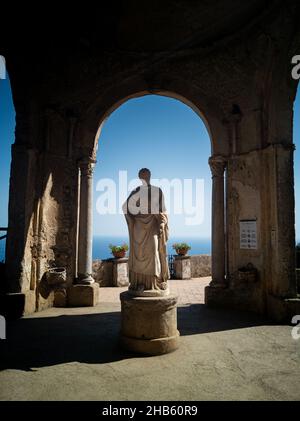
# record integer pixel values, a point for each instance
(217, 165)
(85, 238)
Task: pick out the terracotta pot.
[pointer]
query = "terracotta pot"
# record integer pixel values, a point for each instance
(119, 254)
(181, 252)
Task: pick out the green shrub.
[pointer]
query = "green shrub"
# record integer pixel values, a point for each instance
(116, 249)
(181, 246)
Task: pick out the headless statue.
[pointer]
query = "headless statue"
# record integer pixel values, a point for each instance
(147, 222)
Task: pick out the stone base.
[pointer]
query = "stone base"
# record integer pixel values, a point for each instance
(120, 272)
(149, 324)
(149, 292)
(83, 295)
(252, 299)
(283, 310)
(244, 299)
(151, 346)
(182, 267)
(85, 279)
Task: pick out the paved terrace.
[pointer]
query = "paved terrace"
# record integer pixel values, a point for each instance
(73, 354)
(188, 291)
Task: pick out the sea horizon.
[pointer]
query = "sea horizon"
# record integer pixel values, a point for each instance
(199, 245)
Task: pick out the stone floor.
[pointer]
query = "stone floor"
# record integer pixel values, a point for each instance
(188, 291)
(73, 354)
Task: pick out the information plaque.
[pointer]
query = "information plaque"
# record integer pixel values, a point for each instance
(248, 234)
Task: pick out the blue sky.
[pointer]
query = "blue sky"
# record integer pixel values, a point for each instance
(152, 132)
(7, 134)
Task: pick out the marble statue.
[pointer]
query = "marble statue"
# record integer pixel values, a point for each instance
(147, 221)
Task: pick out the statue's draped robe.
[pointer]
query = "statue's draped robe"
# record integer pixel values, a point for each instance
(148, 266)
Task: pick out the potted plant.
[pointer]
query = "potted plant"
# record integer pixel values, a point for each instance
(181, 248)
(118, 251)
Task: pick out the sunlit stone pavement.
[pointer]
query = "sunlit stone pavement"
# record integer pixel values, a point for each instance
(188, 291)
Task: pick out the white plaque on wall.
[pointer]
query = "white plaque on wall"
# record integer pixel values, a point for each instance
(248, 234)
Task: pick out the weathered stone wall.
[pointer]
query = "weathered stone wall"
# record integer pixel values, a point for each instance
(103, 272)
(42, 209)
(244, 190)
(200, 265)
(259, 187)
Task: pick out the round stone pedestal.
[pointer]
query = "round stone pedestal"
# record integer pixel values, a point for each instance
(149, 324)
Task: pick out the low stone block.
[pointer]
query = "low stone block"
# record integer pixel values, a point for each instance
(12, 305)
(83, 295)
(182, 267)
(120, 272)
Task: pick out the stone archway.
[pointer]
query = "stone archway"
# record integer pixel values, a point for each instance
(217, 163)
(238, 75)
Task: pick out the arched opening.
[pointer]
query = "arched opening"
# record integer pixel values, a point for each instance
(7, 134)
(173, 163)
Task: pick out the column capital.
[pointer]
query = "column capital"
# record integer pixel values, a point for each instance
(217, 165)
(86, 166)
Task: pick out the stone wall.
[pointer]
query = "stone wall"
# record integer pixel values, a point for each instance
(103, 272)
(103, 269)
(201, 265)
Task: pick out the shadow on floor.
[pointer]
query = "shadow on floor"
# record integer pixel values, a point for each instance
(195, 319)
(94, 338)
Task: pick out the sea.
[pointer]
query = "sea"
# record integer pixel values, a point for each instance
(101, 244)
